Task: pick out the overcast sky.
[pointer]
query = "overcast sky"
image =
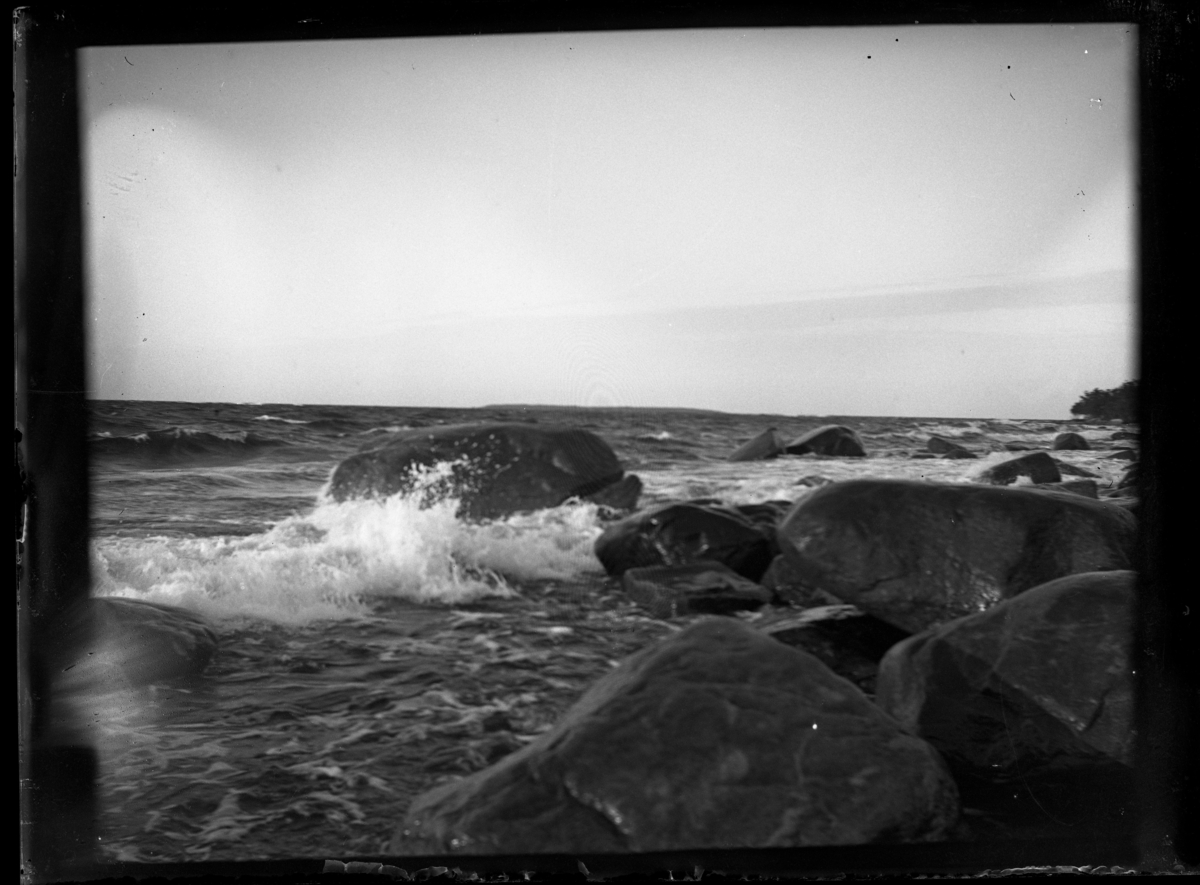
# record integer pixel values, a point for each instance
(926, 220)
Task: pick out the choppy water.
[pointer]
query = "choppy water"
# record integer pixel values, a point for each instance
(370, 650)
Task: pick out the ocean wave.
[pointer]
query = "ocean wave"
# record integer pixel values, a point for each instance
(282, 420)
(331, 563)
(178, 443)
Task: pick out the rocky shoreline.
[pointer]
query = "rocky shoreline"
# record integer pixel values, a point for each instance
(916, 648)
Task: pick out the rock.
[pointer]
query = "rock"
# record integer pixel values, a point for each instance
(494, 469)
(1123, 455)
(1067, 441)
(832, 439)
(717, 737)
(1039, 684)
(1085, 487)
(948, 449)
(1038, 466)
(1124, 434)
(667, 591)
(916, 554)
(782, 581)
(768, 444)
(1068, 469)
(1129, 477)
(1018, 447)
(621, 496)
(121, 643)
(677, 534)
(844, 638)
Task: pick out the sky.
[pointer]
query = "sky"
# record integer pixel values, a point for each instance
(905, 221)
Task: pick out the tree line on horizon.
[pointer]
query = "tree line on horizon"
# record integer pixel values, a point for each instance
(1117, 402)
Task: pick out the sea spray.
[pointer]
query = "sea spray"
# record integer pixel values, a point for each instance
(331, 562)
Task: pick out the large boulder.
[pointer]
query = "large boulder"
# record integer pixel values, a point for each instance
(948, 449)
(916, 554)
(768, 444)
(119, 643)
(1068, 441)
(708, 587)
(1037, 685)
(493, 469)
(717, 737)
(687, 532)
(788, 587)
(832, 439)
(1037, 466)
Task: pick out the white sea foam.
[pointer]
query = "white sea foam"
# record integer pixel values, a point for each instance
(329, 563)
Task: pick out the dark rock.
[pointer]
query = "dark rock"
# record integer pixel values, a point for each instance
(832, 439)
(667, 591)
(920, 553)
(923, 456)
(844, 638)
(1124, 434)
(493, 469)
(677, 534)
(1085, 487)
(1038, 466)
(621, 496)
(766, 515)
(122, 643)
(1123, 455)
(718, 737)
(1068, 469)
(1066, 441)
(768, 444)
(948, 449)
(1018, 447)
(1129, 477)
(788, 588)
(1038, 684)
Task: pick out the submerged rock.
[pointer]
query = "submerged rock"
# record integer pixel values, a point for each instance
(493, 469)
(119, 643)
(768, 444)
(1067, 441)
(718, 737)
(948, 449)
(677, 534)
(832, 439)
(1085, 487)
(667, 591)
(1040, 684)
(916, 554)
(1038, 466)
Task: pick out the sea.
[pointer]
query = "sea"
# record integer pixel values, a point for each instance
(373, 649)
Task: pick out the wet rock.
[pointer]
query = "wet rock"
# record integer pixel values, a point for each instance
(916, 554)
(832, 439)
(948, 449)
(1123, 434)
(1018, 447)
(677, 534)
(813, 481)
(1038, 466)
(1070, 440)
(494, 469)
(843, 637)
(1068, 469)
(667, 591)
(768, 444)
(1129, 477)
(788, 588)
(621, 496)
(1038, 684)
(1123, 455)
(718, 737)
(119, 643)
